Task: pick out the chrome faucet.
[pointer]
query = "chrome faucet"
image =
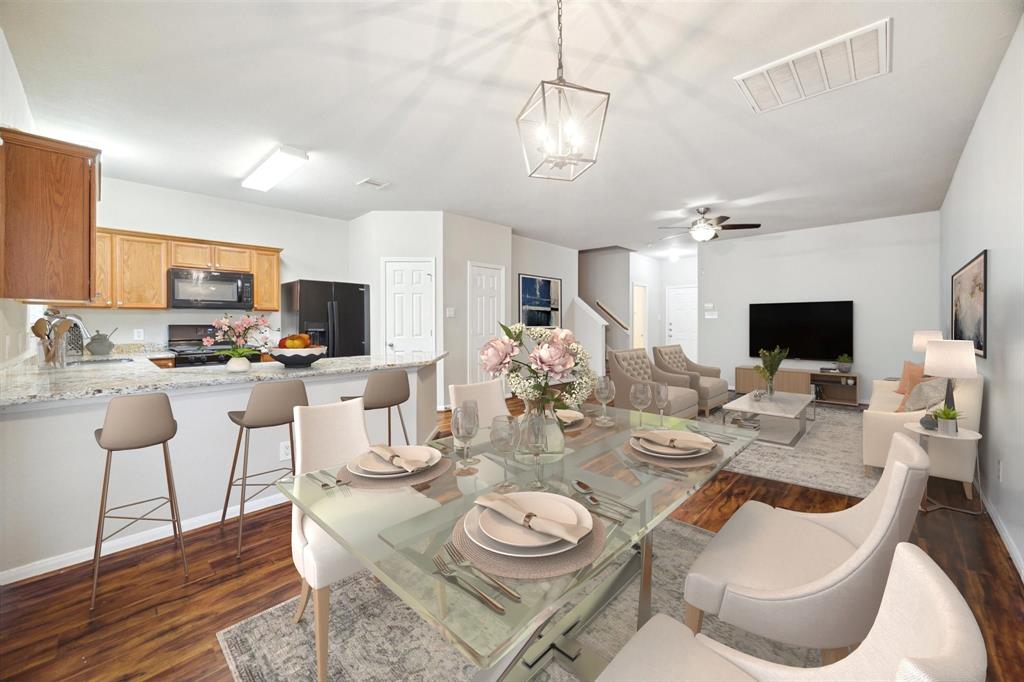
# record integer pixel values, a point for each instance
(53, 316)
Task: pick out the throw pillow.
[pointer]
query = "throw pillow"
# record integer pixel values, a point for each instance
(912, 375)
(924, 395)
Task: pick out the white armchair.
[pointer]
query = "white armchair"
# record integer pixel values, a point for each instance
(952, 460)
(628, 367)
(812, 580)
(489, 397)
(924, 631)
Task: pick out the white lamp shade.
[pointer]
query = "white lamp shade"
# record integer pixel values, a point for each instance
(950, 359)
(921, 339)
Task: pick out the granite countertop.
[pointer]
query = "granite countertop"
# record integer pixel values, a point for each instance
(26, 384)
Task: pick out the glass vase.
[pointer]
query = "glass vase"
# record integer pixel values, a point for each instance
(541, 432)
(770, 387)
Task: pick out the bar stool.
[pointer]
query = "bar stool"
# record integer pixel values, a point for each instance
(131, 423)
(270, 404)
(386, 388)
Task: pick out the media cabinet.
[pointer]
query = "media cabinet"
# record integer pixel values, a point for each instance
(836, 387)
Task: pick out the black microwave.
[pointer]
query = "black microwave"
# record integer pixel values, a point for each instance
(188, 288)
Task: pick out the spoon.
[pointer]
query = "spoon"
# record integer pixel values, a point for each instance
(40, 327)
(587, 489)
(610, 514)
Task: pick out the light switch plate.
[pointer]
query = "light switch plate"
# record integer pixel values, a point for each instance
(139, 335)
(449, 312)
(284, 451)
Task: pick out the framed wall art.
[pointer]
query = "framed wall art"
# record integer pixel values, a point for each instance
(969, 303)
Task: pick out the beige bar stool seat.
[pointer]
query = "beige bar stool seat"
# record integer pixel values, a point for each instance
(132, 423)
(385, 389)
(270, 404)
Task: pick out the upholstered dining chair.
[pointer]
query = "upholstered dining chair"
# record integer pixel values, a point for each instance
(811, 580)
(628, 367)
(489, 397)
(712, 389)
(924, 632)
(386, 388)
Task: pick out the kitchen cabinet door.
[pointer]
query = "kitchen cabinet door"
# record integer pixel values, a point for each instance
(191, 255)
(232, 259)
(104, 279)
(266, 273)
(140, 264)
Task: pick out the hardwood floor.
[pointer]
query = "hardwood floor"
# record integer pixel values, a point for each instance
(150, 622)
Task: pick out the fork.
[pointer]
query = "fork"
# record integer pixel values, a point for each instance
(461, 561)
(324, 485)
(446, 572)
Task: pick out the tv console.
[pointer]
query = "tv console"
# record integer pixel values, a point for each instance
(835, 387)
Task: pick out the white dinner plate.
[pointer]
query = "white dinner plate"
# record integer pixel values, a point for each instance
(656, 450)
(477, 536)
(549, 505)
(369, 465)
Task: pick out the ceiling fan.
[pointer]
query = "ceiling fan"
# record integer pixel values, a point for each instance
(704, 229)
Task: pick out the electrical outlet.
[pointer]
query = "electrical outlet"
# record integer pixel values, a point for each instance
(139, 334)
(284, 451)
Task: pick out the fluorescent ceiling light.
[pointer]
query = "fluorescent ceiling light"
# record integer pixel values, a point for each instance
(281, 163)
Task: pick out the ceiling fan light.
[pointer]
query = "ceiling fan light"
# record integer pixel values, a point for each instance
(703, 232)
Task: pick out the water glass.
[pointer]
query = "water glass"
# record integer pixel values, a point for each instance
(504, 438)
(661, 402)
(604, 391)
(465, 425)
(640, 396)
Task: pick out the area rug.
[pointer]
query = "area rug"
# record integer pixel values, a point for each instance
(828, 457)
(374, 636)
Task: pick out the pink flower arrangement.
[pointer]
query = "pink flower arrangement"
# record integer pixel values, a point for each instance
(497, 354)
(239, 333)
(553, 359)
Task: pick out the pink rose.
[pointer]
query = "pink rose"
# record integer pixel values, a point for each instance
(208, 341)
(555, 360)
(496, 354)
(562, 337)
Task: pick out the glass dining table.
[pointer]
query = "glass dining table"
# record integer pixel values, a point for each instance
(396, 533)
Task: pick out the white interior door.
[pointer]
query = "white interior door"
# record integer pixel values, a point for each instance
(485, 307)
(639, 316)
(681, 318)
(408, 305)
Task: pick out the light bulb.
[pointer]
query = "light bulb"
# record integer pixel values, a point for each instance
(570, 127)
(703, 232)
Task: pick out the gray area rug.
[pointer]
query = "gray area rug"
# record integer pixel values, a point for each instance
(828, 457)
(374, 636)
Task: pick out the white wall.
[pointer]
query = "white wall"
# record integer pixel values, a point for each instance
(647, 271)
(604, 277)
(887, 267)
(533, 257)
(314, 247)
(682, 273)
(984, 209)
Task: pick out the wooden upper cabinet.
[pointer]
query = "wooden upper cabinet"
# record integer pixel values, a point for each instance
(191, 255)
(266, 274)
(140, 264)
(104, 280)
(232, 259)
(48, 193)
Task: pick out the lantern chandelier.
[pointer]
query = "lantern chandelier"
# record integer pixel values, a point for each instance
(560, 127)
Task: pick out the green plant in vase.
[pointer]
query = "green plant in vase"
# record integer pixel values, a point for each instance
(844, 363)
(946, 417)
(770, 362)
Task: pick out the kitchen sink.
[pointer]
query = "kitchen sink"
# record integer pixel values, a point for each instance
(99, 361)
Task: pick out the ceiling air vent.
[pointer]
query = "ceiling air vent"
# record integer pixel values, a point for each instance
(373, 183)
(847, 59)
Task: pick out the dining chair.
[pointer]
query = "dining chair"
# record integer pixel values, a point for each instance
(712, 389)
(924, 631)
(628, 367)
(386, 388)
(811, 580)
(489, 397)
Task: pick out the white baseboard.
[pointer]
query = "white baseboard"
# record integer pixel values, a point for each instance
(78, 556)
(1012, 549)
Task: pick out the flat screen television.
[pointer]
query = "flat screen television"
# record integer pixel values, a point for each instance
(812, 331)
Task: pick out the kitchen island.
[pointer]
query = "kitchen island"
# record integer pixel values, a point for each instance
(51, 468)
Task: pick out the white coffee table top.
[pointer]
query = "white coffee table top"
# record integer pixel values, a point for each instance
(781, 404)
(961, 434)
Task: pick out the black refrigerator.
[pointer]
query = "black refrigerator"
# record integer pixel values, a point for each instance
(334, 314)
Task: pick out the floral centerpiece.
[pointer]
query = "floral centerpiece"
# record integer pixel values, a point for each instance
(770, 362)
(546, 368)
(240, 334)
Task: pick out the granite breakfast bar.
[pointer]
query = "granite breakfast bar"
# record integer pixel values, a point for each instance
(51, 468)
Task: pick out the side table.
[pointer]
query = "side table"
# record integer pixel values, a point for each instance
(923, 436)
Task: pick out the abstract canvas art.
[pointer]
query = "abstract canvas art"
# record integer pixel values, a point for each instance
(540, 301)
(969, 303)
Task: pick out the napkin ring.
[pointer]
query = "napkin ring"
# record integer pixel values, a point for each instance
(527, 518)
(671, 442)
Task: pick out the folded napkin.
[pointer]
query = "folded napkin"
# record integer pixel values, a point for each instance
(569, 416)
(508, 508)
(679, 440)
(409, 459)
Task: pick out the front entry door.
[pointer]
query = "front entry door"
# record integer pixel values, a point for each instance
(485, 309)
(408, 305)
(681, 319)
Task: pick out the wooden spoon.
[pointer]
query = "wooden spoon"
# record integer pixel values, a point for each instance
(40, 327)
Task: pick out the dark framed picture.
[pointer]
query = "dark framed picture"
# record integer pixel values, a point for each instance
(969, 303)
(540, 301)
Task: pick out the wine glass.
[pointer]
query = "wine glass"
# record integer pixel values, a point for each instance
(640, 397)
(661, 402)
(504, 437)
(604, 391)
(465, 425)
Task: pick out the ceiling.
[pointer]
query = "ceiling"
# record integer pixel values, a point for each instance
(423, 94)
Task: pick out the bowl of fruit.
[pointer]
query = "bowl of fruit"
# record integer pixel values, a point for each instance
(296, 350)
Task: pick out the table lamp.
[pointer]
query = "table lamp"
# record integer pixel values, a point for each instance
(952, 360)
(922, 337)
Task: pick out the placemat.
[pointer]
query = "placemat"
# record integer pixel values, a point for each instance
(533, 568)
(439, 469)
(582, 424)
(709, 459)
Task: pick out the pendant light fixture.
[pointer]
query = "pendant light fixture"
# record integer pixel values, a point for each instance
(560, 127)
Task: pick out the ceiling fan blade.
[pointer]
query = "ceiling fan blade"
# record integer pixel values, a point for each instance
(714, 238)
(742, 226)
(718, 220)
(672, 227)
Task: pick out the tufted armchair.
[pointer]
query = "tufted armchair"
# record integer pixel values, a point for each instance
(628, 367)
(712, 390)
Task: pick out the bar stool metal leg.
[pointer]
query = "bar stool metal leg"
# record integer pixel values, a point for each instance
(172, 494)
(241, 501)
(99, 532)
(231, 477)
(402, 420)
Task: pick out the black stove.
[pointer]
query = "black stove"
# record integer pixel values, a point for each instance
(186, 342)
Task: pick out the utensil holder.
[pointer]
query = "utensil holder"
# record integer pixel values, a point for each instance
(53, 354)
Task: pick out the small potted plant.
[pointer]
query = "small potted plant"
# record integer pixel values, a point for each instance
(844, 363)
(770, 362)
(946, 417)
(239, 333)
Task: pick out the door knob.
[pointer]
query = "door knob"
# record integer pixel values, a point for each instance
(391, 345)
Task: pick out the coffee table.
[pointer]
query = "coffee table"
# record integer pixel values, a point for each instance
(780, 404)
